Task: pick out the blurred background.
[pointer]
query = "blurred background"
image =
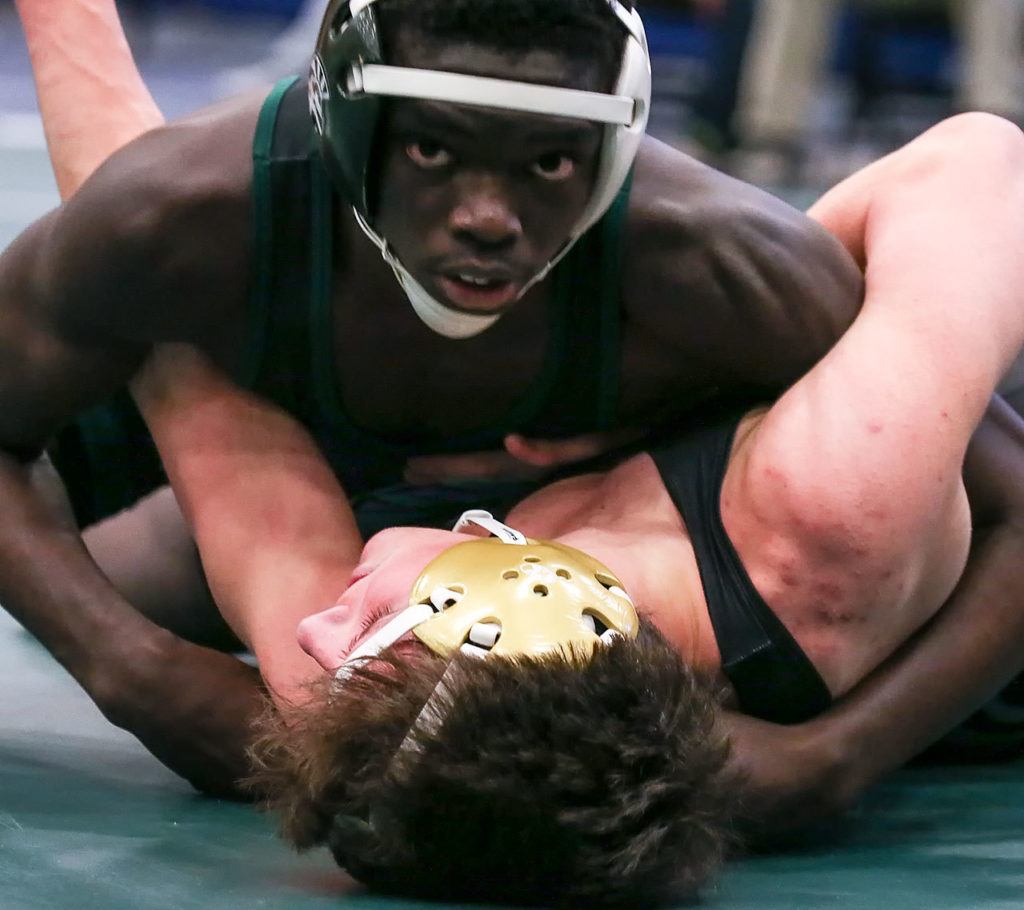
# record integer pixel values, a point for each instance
(789, 94)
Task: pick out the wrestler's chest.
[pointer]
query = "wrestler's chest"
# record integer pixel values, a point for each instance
(396, 376)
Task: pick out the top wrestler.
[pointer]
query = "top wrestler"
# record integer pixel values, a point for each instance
(598, 779)
(723, 290)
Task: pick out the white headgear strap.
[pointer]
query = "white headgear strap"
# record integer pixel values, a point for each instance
(623, 113)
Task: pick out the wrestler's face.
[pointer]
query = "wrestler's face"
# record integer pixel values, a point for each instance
(391, 562)
(475, 202)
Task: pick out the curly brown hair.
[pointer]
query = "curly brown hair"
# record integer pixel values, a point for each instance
(556, 781)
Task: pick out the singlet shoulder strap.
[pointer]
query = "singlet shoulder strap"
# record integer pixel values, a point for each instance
(282, 152)
(773, 678)
(587, 287)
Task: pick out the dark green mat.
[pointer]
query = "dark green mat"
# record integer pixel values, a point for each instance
(89, 820)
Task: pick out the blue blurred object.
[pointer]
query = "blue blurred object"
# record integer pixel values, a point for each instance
(286, 8)
(674, 34)
(886, 51)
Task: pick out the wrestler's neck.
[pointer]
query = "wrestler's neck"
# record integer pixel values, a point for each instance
(672, 598)
(625, 520)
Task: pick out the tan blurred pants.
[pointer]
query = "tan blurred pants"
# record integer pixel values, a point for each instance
(790, 45)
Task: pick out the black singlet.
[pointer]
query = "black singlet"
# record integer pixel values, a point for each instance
(773, 678)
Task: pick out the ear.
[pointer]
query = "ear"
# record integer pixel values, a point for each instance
(324, 636)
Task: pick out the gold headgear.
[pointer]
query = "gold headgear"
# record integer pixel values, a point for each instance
(511, 595)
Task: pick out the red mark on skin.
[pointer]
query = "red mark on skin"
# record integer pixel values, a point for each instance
(828, 617)
(945, 415)
(874, 427)
(790, 581)
(828, 590)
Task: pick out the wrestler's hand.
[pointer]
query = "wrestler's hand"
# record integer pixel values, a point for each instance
(190, 706)
(793, 777)
(521, 459)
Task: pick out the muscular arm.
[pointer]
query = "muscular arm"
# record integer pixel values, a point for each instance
(864, 454)
(972, 648)
(82, 293)
(190, 706)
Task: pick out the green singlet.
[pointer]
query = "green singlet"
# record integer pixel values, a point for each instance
(108, 461)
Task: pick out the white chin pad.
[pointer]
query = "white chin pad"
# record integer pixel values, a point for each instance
(485, 634)
(443, 598)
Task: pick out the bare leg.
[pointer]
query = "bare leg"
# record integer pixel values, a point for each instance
(148, 554)
(91, 95)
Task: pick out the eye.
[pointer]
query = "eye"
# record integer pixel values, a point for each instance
(427, 154)
(554, 166)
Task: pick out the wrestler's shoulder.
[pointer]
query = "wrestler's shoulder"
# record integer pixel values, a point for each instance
(191, 166)
(703, 246)
(676, 198)
(169, 216)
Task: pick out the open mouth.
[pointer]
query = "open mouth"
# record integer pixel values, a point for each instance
(476, 292)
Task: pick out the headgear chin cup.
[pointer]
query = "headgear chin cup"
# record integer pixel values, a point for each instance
(349, 77)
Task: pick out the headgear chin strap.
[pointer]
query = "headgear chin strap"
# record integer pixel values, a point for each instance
(436, 316)
(348, 77)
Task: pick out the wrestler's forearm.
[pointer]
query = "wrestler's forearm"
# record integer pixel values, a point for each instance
(800, 776)
(84, 70)
(50, 585)
(973, 649)
(275, 533)
(189, 706)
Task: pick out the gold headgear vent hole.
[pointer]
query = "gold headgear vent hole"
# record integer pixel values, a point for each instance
(540, 590)
(563, 573)
(510, 575)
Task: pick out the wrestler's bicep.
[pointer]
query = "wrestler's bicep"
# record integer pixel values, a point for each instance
(55, 358)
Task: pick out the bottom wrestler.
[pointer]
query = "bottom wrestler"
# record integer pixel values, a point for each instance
(794, 548)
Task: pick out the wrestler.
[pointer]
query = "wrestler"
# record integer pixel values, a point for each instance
(785, 303)
(794, 547)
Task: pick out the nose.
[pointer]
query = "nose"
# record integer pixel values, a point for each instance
(325, 636)
(483, 215)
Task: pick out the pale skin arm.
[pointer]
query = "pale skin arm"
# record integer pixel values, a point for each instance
(276, 536)
(867, 449)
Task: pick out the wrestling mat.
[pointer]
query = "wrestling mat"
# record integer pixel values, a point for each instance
(89, 820)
